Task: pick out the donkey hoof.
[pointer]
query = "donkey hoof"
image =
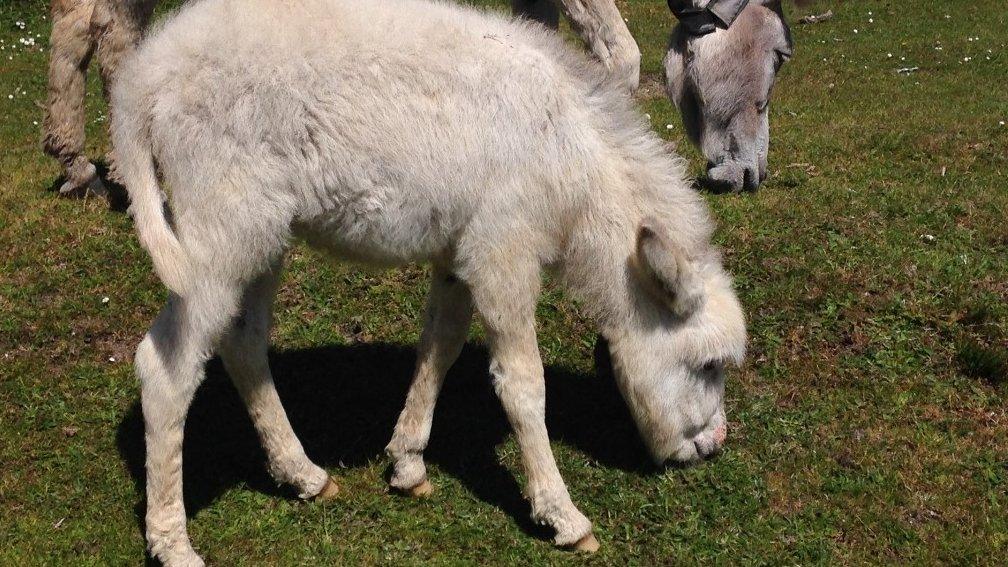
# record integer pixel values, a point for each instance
(71, 189)
(587, 544)
(177, 554)
(91, 188)
(329, 492)
(422, 490)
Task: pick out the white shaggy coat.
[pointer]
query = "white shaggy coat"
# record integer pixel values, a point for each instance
(411, 131)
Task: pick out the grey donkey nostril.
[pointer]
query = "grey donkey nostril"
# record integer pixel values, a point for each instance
(751, 179)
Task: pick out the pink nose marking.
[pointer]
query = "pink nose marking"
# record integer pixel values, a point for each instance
(720, 433)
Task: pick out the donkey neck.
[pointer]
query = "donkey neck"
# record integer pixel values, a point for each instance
(598, 265)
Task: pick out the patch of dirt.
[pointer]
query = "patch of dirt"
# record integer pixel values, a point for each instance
(652, 86)
(784, 496)
(93, 337)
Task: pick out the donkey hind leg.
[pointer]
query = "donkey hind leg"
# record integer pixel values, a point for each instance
(244, 353)
(599, 24)
(116, 27)
(63, 125)
(506, 306)
(446, 326)
(169, 364)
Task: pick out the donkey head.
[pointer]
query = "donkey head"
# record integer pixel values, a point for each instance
(685, 326)
(721, 82)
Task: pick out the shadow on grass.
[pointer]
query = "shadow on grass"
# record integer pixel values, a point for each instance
(713, 186)
(343, 402)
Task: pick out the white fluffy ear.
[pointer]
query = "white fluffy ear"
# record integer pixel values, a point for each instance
(670, 271)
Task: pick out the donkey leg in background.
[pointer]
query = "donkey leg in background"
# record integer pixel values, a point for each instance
(600, 25)
(63, 126)
(117, 26)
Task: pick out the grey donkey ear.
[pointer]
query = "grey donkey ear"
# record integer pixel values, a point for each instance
(669, 270)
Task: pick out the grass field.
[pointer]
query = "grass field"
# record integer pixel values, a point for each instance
(869, 423)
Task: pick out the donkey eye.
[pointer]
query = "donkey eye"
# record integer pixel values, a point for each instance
(762, 105)
(780, 57)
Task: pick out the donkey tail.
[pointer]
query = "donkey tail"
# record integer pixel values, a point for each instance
(135, 163)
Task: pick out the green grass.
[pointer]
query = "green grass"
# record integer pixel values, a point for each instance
(869, 423)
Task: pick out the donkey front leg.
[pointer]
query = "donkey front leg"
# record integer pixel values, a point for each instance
(600, 25)
(446, 326)
(244, 353)
(507, 308)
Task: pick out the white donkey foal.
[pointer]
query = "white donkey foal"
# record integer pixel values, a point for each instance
(410, 131)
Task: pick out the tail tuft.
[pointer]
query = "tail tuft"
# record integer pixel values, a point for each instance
(135, 163)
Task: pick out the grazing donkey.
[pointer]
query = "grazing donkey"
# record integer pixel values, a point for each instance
(111, 28)
(411, 131)
(720, 70)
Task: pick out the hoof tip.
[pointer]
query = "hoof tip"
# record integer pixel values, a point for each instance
(91, 188)
(329, 492)
(422, 490)
(587, 544)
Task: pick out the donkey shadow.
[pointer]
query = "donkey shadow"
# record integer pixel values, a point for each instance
(343, 402)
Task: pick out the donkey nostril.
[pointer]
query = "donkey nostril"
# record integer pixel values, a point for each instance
(709, 442)
(751, 179)
(720, 433)
(706, 448)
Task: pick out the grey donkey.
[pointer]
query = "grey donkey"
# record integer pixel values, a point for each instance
(720, 69)
(110, 30)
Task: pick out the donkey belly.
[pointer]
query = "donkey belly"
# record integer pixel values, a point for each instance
(382, 225)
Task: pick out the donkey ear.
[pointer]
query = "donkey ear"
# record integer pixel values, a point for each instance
(668, 268)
